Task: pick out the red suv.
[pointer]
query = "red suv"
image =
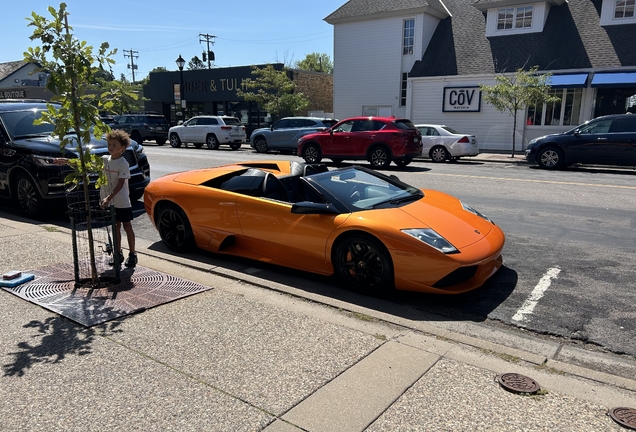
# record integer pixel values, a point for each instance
(379, 140)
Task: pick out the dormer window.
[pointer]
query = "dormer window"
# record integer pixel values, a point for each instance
(515, 18)
(617, 12)
(624, 9)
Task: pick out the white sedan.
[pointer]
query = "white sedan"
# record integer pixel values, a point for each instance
(442, 143)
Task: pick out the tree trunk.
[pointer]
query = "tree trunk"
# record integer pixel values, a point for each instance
(514, 132)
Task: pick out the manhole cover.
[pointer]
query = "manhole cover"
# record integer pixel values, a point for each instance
(518, 383)
(624, 417)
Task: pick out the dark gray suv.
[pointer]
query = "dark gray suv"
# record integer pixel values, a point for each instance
(284, 134)
(143, 127)
(607, 140)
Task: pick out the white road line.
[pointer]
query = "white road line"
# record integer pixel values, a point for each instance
(528, 306)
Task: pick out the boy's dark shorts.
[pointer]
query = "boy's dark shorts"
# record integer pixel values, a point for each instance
(123, 214)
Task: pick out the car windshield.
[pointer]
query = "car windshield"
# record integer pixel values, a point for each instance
(329, 123)
(20, 124)
(451, 130)
(362, 189)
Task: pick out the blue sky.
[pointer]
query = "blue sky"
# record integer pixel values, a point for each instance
(247, 31)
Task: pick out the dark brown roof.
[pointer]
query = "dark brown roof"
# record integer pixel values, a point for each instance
(572, 39)
(8, 68)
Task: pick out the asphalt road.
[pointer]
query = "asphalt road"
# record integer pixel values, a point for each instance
(569, 257)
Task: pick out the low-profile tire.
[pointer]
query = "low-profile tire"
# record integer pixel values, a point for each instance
(379, 158)
(311, 153)
(212, 142)
(174, 228)
(27, 197)
(362, 263)
(260, 145)
(175, 141)
(403, 162)
(439, 154)
(137, 137)
(550, 158)
(160, 141)
(197, 145)
(235, 146)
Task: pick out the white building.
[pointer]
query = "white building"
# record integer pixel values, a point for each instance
(425, 60)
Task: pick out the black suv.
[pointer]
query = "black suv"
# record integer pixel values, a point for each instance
(27, 171)
(143, 127)
(607, 140)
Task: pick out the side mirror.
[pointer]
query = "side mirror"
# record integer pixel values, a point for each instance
(180, 122)
(271, 127)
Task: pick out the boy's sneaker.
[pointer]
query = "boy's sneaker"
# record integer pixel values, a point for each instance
(132, 260)
(111, 261)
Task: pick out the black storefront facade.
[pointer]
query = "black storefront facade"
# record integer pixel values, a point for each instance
(179, 95)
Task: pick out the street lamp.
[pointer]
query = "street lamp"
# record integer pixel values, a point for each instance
(180, 64)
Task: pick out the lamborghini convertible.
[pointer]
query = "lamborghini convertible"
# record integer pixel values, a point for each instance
(372, 231)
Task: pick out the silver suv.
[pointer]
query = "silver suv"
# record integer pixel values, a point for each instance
(284, 134)
(209, 130)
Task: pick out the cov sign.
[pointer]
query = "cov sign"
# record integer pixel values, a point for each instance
(462, 99)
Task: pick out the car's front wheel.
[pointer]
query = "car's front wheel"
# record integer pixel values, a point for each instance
(235, 146)
(212, 142)
(28, 197)
(160, 141)
(260, 145)
(362, 262)
(174, 228)
(550, 158)
(175, 141)
(439, 154)
(311, 153)
(379, 158)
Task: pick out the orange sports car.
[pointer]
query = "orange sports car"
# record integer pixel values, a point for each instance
(371, 230)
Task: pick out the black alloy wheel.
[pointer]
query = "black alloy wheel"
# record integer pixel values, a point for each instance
(212, 142)
(175, 141)
(260, 145)
(174, 228)
(550, 158)
(311, 153)
(28, 197)
(363, 263)
(439, 154)
(379, 158)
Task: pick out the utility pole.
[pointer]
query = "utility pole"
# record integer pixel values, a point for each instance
(207, 38)
(133, 55)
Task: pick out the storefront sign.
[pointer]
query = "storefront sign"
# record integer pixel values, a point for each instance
(462, 99)
(176, 89)
(13, 94)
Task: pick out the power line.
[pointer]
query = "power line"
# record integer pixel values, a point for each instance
(208, 38)
(133, 55)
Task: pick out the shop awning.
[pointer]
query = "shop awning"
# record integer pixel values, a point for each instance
(614, 79)
(576, 80)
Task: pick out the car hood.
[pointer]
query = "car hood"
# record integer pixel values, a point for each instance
(50, 146)
(558, 136)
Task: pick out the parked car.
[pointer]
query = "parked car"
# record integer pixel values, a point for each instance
(143, 127)
(378, 140)
(441, 143)
(372, 231)
(284, 134)
(27, 172)
(607, 140)
(209, 130)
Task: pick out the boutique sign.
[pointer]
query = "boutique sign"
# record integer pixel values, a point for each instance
(462, 99)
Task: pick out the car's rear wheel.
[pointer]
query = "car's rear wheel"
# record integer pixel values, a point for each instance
(439, 154)
(28, 197)
(403, 162)
(212, 142)
(379, 158)
(362, 262)
(260, 145)
(160, 141)
(174, 228)
(137, 137)
(235, 146)
(311, 153)
(550, 158)
(197, 145)
(175, 141)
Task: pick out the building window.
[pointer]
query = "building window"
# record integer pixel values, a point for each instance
(518, 18)
(403, 84)
(409, 36)
(565, 112)
(624, 9)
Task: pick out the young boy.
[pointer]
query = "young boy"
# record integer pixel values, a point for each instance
(116, 190)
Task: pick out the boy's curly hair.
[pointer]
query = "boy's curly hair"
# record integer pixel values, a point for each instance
(119, 135)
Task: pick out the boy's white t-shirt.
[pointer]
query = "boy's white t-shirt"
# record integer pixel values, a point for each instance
(116, 169)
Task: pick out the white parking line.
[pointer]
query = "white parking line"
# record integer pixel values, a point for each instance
(528, 306)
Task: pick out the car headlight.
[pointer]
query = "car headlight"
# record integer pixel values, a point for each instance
(140, 150)
(431, 238)
(45, 161)
(475, 212)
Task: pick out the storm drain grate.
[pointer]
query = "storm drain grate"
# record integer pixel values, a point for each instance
(518, 383)
(140, 288)
(624, 416)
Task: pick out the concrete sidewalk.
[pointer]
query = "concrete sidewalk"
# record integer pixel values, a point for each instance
(257, 353)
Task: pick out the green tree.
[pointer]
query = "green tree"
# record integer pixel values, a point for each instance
(72, 66)
(316, 62)
(274, 91)
(146, 80)
(196, 63)
(512, 93)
